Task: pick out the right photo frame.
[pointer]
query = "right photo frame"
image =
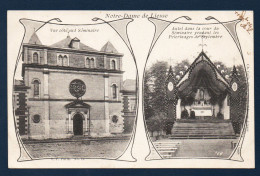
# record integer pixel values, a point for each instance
(196, 88)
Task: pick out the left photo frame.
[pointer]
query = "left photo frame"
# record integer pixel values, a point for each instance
(73, 89)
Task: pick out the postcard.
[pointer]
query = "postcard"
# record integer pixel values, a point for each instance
(131, 89)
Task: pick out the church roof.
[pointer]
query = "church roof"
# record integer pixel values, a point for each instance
(65, 43)
(35, 39)
(109, 48)
(129, 85)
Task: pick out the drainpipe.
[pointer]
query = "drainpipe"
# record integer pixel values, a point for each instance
(89, 122)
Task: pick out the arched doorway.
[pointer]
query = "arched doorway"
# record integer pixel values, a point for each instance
(78, 124)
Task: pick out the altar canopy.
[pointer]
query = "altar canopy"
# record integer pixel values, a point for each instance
(203, 81)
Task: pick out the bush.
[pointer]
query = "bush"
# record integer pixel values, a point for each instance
(184, 114)
(220, 115)
(159, 122)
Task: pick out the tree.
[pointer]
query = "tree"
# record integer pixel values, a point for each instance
(155, 108)
(156, 123)
(148, 110)
(154, 89)
(181, 67)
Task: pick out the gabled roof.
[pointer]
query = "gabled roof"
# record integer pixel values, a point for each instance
(202, 57)
(75, 39)
(77, 104)
(65, 43)
(109, 48)
(203, 74)
(35, 39)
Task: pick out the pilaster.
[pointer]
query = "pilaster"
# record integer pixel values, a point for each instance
(106, 98)
(46, 103)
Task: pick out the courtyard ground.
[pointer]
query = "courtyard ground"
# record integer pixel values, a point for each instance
(78, 149)
(220, 148)
(205, 148)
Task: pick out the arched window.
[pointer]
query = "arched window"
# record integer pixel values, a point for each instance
(87, 62)
(114, 91)
(113, 64)
(92, 63)
(36, 88)
(59, 60)
(65, 61)
(35, 58)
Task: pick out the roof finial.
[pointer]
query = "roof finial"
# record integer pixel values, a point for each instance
(202, 44)
(170, 61)
(234, 61)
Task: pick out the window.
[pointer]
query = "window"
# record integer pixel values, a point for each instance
(59, 61)
(92, 63)
(36, 118)
(114, 91)
(62, 60)
(87, 62)
(36, 88)
(113, 64)
(35, 58)
(65, 61)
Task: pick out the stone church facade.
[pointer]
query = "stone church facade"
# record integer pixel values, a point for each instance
(71, 89)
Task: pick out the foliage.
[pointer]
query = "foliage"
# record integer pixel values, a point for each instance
(154, 89)
(155, 107)
(181, 67)
(156, 122)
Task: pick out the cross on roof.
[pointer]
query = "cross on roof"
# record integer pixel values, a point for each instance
(202, 44)
(170, 61)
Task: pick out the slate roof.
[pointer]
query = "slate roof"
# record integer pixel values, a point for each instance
(129, 85)
(18, 82)
(65, 43)
(20, 86)
(109, 48)
(35, 39)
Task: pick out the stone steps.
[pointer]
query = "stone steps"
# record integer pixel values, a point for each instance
(167, 149)
(198, 130)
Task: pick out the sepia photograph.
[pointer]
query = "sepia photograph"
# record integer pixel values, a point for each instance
(195, 90)
(74, 91)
